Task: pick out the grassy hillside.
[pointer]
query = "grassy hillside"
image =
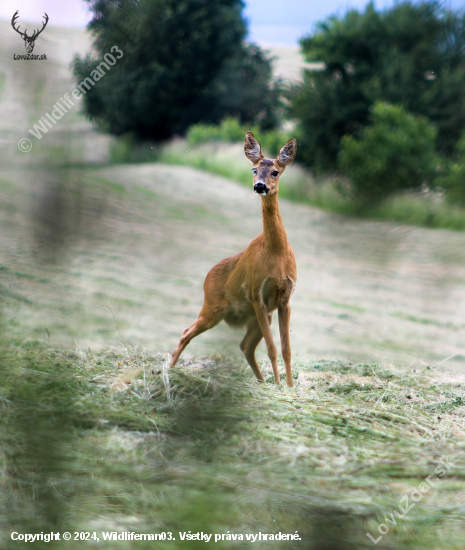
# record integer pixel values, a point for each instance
(141, 239)
(102, 268)
(424, 209)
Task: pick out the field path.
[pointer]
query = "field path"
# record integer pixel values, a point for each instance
(365, 289)
(141, 238)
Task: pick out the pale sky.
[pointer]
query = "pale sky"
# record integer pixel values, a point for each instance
(270, 21)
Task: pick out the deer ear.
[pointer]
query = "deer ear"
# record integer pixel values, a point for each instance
(252, 148)
(287, 153)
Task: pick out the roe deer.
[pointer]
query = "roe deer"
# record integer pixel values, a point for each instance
(246, 288)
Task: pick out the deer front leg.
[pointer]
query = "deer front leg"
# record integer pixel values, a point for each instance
(284, 317)
(262, 317)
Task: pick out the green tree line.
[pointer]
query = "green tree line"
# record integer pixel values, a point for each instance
(387, 108)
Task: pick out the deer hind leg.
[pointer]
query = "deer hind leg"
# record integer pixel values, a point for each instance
(249, 344)
(207, 320)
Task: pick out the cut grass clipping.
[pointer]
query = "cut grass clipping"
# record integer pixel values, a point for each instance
(117, 442)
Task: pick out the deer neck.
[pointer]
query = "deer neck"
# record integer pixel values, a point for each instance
(275, 236)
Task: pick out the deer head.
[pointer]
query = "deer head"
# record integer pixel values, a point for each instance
(266, 172)
(29, 41)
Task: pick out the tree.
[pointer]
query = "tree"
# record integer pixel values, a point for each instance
(412, 55)
(395, 153)
(181, 58)
(243, 89)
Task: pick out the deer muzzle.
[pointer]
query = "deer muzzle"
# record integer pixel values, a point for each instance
(260, 189)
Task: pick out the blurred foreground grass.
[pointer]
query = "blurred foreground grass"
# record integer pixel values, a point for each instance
(116, 442)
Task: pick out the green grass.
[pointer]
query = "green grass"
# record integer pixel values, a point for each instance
(115, 441)
(231, 131)
(424, 212)
(212, 157)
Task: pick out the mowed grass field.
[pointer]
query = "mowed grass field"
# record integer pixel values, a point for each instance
(101, 270)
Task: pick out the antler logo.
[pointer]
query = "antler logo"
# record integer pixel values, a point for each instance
(29, 41)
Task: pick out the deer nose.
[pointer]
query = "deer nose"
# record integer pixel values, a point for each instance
(260, 189)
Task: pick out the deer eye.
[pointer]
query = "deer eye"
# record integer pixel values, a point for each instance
(254, 170)
(275, 173)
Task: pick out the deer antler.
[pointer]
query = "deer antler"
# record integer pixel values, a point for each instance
(37, 32)
(13, 21)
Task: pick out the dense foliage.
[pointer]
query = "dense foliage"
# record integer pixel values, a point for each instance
(412, 55)
(395, 153)
(453, 179)
(230, 131)
(184, 61)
